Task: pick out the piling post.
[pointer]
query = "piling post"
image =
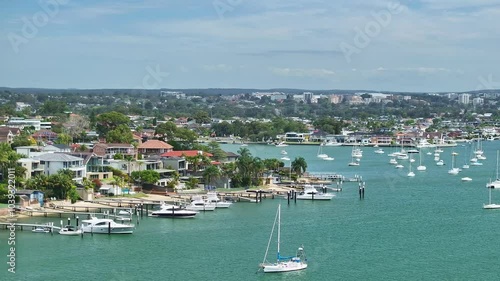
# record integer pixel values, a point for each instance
(69, 221)
(142, 210)
(312, 196)
(77, 220)
(295, 196)
(288, 197)
(260, 195)
(109, 228)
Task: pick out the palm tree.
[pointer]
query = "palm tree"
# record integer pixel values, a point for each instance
(299, 166)
(210, 173)
(257, 169)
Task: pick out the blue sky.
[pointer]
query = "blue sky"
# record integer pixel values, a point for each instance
(407, 45)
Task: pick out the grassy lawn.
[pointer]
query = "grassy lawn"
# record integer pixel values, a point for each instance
(3, 205)
(136, 195)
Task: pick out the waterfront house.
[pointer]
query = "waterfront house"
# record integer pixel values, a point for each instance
(31, 196)
(96, 165)
(230, 157)
(175, 163)
(32, 167)
(295, 137)
(53, 162)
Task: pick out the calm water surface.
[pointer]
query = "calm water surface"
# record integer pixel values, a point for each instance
(431, 227)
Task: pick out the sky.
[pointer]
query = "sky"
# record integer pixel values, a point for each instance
(380, 45)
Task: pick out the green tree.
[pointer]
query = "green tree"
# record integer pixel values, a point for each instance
(166, 130)
(299, 166)
(63, 139)
(147, 176)
(52, 107)
(111, 121)
(202, 117)
(216, 151)
(192, 183)
(121, 134)
(210, 173)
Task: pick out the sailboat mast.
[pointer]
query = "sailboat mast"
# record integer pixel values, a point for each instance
(497, 166)
(279, 230)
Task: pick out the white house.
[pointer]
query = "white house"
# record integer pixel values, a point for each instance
(53, 162)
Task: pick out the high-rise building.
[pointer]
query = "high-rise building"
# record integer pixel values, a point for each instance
(464, 98)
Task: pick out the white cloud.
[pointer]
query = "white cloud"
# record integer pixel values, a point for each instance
(302, 72)
(217, 67)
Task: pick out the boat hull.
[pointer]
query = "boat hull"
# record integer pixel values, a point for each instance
(284, 267)
(491, 206)
(105, 230)
(175, 215)
(71, 233)
(315, 197)
(201, 208)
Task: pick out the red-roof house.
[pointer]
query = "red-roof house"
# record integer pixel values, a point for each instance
(155, 147)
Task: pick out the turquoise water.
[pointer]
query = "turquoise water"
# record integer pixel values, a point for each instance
(431, 227)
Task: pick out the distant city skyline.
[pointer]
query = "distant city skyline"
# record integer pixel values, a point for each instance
(379, 45)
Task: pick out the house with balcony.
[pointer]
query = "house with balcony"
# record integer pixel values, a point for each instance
(96, 165)
(32, 166)
(154, 147)
(295, 137)
(53, 162)
(109, 150)
(7, 134)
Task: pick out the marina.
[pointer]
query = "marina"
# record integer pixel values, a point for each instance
(400, 224)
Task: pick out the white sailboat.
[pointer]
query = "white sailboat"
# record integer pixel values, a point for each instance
(356, 153)
(283, 264)
(420, 166)
(453, 170)
(496, 182)
(491, 205)
(410, 173)
(320, 152)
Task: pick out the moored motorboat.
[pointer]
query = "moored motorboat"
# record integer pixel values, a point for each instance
(39, 229)
(310, 193)
(70, 230)
(198, 204)
(96, 225)
(214, 199)
(172, 211)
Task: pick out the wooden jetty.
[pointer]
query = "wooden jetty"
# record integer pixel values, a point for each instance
(30, 226)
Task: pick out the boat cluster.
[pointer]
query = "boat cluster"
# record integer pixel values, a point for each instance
(198, 203)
